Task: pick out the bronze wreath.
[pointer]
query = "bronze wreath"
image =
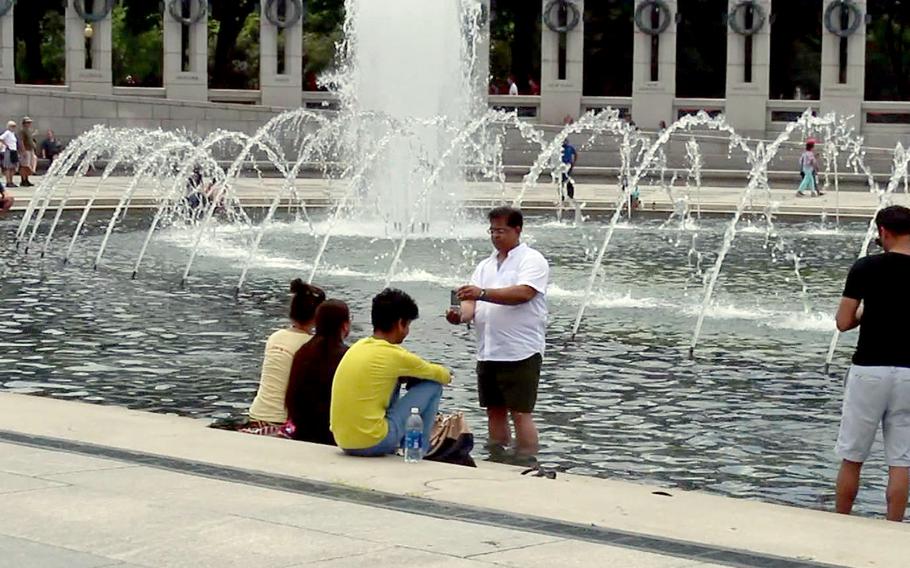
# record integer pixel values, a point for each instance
(175, 9)
(855, 17)
(572, 11)
(665, 16)
(295, 7)
(79, 6)
(758, 18)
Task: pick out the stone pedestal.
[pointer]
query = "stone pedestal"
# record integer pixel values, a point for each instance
(652, 101)
(280, 89)
(844, 98)
(746, 107)
(97, 79)
(561, 98)
(190, 83)
(7, 57)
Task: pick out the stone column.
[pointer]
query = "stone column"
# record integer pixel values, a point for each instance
(280, 89)
(746, 107)
(844, 98)
(652, 101)
(483, 51)
(560, 98)
(7, 58)
(79, 78)
(190, 84)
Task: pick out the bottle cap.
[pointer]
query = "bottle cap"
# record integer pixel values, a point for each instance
(415, 410)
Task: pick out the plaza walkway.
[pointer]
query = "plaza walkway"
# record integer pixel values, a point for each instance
(84, 486)
(595, 198)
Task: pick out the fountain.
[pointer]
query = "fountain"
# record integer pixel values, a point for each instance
(384, 191)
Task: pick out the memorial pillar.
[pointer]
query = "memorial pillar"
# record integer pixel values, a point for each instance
(88, 47)
(748, 66)
(844, 58)
(483, 50)
(562, 49)
(7, 53)
(281, 76)
(654, 62)
(186, 50)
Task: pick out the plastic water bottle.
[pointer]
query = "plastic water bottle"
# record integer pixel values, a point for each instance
(413, 437)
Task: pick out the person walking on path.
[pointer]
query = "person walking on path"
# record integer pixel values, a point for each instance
(569, 157)
(808, 168)
(10, 152)
(878, 384)
(506, 299)
(28, 152)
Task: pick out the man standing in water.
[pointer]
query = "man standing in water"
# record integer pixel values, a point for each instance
(506, 299)
(878, 385)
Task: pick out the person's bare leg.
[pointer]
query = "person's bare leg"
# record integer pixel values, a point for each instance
(528, 442)
(847, 486)
(498, 426)
(898, 489)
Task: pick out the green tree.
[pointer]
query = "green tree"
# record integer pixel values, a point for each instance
(39, 42)
(608, 48)
(515, 28)
(232, 65)
(138, 44)
(888, 51)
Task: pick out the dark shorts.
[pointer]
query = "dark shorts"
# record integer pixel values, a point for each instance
(509, 384)
(570, 187)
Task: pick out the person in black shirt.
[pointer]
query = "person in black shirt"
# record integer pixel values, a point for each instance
(876, 300)
(309, 394)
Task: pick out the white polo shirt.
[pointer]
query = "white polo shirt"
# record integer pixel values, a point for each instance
(512, 333)
(9, 138)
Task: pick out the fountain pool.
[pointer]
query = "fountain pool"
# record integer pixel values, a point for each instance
(753, 415)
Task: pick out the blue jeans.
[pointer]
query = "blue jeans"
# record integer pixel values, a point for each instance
(424, 395)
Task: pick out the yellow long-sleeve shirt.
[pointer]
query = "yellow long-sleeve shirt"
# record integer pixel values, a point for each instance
(363, 385)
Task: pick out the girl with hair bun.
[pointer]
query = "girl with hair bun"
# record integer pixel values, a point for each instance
(267, 413)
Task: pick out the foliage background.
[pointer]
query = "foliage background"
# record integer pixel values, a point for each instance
(515, 45)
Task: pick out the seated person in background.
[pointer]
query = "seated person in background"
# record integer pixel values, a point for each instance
(267, 413)
(367, 416)
(310, 388)
(6, 200)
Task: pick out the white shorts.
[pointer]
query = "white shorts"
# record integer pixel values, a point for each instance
(876, 395)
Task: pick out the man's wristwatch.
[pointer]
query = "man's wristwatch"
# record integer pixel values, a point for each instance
(483, 294)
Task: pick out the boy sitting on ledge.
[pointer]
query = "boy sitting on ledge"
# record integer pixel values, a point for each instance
(367, 416)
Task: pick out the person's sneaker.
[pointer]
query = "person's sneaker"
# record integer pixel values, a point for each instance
(26, 183)
(11, 185)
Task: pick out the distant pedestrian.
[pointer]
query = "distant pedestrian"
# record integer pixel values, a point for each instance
(10, 160)
(50, 147)
(569, 157)
(878, 385)
(533, 86)
(513, 86)
(808, 168)
(28, 152)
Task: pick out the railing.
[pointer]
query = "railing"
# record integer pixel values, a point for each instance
(527, 106)
(780, 112)
(683, 107)
(319, 100)
(598, 104)
(235, 96)
(148, 92)
(886, 115)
